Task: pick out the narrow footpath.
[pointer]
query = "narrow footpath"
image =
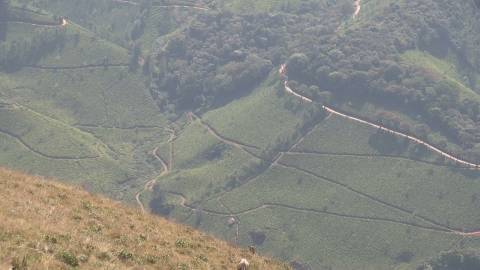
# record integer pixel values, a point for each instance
(358, 6)
(446, 155)
(148, 186)
(283, 73)
(63, 22)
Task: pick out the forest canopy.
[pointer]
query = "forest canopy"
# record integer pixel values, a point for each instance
(221, 56)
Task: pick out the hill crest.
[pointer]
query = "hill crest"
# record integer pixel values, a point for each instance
(45, 224)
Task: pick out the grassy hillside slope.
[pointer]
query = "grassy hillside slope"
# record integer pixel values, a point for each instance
(338, 194)
(333, 194)
(78, 114)
(49, 225)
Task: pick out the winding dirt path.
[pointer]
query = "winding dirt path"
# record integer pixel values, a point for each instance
(150, 183)
(62, 23)
(434, 226)
(148, 186)
(283, 72)
(381, 128)
(358, 6)
(236, 215)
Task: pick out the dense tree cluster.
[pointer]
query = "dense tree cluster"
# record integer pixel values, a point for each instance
(221, 56)
(365, 64)
(218, 57)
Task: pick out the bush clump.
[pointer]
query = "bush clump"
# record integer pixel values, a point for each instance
(68, 258)
(125, 255)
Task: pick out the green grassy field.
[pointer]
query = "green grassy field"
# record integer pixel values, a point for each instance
(114, 21)
(289, 188)
(426, 190)
(40, 133)
(344, 198)
(263, 108)
(401, 195)
(92, 126)
(337, 243)
(205, 179)
(98, 175)
(335, 135)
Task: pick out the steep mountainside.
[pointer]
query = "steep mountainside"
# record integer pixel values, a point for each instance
(47, 225)
(332, 134)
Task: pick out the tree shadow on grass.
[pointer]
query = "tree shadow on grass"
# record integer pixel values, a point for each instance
(387, 143)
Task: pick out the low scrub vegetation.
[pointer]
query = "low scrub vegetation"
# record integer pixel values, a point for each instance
(48, 225)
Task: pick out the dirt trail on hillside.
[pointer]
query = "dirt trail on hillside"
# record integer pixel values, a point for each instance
(308, 211)
(283, 72)
(366, 196)
(381, 128)
(62, 23)
(358, 6)
(148, 186)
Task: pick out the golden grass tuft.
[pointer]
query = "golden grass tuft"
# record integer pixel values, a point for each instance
(47, 225)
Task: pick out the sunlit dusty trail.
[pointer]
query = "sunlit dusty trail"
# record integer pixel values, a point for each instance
(358, 6)
(62, 23)
(151, 183)
(283, 73)
(381, 128)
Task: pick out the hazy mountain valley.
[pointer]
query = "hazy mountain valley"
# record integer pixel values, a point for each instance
(329, 134)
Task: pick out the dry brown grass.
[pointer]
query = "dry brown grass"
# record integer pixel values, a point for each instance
(47, 225)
